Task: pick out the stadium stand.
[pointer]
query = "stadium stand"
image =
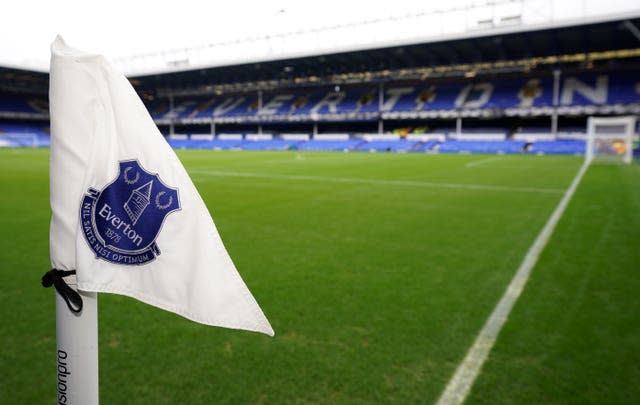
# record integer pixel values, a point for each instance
(22, 106)
(13, 135)
(558, 146)
(519, 92)
(399, 145)
(578, 94)
(330, 146)
(273, 144)
(499, 147)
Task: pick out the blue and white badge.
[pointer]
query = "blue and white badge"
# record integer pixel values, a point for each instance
(122, 221)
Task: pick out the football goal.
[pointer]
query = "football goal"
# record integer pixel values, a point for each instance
(610, 139)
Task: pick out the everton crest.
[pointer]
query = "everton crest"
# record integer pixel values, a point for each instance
(122, 221)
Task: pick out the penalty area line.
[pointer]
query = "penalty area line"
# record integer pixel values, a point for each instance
(402, 183)
(460, 384)
(481, 162)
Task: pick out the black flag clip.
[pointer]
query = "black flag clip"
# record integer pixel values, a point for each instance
(54, 277)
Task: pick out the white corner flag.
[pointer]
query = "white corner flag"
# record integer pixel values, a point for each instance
(127, 218)
(126, 215)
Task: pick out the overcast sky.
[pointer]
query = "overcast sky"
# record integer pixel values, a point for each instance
(125, 27)
(119, 28)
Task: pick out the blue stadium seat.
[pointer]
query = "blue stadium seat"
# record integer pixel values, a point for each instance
(213, 144)
(273, 144)
(23, 104)
(330, 145)
(427, 146)
(558, 147)
(454, 146)
(388, 146)
(24, 136)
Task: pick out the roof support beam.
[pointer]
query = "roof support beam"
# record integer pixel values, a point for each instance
(632, 28)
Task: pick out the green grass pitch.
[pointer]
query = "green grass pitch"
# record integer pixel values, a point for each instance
(376, 271)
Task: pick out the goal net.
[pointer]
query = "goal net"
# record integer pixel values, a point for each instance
(610, 139)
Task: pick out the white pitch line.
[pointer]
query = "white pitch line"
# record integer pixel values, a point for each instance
(480, 162)
(410, 183)
(458, 387)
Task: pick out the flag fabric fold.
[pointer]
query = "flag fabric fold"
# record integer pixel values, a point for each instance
(125, 214)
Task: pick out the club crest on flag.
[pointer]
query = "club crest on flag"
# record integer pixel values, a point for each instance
(122, 221)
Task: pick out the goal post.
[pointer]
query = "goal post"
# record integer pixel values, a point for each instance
(610, 139)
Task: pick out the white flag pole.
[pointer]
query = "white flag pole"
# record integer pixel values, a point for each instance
(77, 350)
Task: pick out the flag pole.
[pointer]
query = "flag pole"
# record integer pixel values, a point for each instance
(77, 349)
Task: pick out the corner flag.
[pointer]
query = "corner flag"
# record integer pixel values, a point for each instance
(125, 214)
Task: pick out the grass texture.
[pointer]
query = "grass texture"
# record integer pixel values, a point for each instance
(376, 272)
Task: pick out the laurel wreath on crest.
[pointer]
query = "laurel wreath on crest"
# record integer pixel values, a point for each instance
(126, 176)
(163, 206)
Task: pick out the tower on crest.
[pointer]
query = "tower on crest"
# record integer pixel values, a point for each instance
(138, 201)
